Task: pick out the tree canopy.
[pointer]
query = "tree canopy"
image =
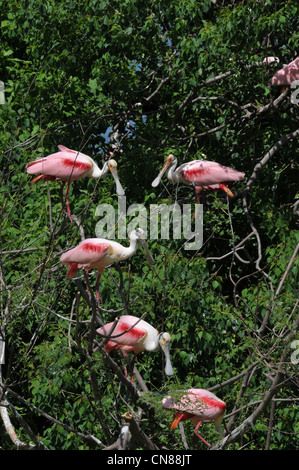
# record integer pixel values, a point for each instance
(137, 81)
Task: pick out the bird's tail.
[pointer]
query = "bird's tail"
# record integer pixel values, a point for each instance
(73, 269)
(174, 423)
(179, 417)
(44, 178)
(218, 422)
(226, 189)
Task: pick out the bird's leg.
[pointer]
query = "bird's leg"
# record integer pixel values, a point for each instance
(132, 368)
(97, 285)
(125, 369)
(67, 202)
(86, 280)
(198, 190)
(61, 193)
(198, 435)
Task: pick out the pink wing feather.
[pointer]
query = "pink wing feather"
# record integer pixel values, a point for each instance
(287, 75)
(129, 339)
(111, 345)
(62, 148)
(203, 172)
(88, 254)
(198, 402)
(66, 165)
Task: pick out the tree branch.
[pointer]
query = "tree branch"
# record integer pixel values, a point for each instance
(259, 166)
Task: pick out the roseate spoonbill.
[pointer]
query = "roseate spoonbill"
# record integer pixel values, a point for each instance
(69, 165)
(287, 74)
(202, 174)
(99, 252)
(136, 335)
(196, 404)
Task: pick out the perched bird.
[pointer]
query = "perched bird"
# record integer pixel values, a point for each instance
(202, 174)
(196, 404)
(136, 335)
(99, 252)
(287, 74)
(69, 165)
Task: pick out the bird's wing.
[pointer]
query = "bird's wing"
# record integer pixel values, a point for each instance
(287, 75)
(203, 403)
(203, 172)
(65, 166)
(111, 345)
(62, 148)
(194, 402)
(87, 254)
(120, 334)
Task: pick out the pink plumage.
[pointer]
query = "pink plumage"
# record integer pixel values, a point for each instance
(202, 174)
(131, 334)
(89, 254)
(287, 74)
(97, 253)
(198, 405)
(127, 334)
(69, 165)
(205, 173)
(66, 165)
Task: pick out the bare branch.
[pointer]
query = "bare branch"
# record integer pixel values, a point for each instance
(11, 431)
(259, 166)
(54, 420)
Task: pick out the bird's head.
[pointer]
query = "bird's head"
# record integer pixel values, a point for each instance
(140, 236)
(112, 164)
(164, 341)
(113, 168)
(164, 338)
(137, 234)
(170, 160)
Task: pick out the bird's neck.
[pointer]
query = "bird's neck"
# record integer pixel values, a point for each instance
(129, 250)
(171, 173)
(98, 172)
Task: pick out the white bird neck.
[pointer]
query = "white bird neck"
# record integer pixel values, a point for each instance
(171, 173)
(151, 341)
(98, 172)
(128, 251)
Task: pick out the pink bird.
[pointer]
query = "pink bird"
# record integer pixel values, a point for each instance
(131, 334)
(202, 174)
(196, 404)
(69, 165)
(287, 74)
(99, 252)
